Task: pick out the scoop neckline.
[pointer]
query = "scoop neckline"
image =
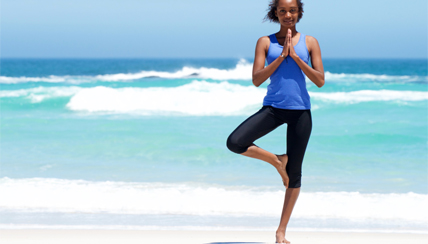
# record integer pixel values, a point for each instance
(300, 37)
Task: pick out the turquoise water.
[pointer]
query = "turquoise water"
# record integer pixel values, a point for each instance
(145, 128)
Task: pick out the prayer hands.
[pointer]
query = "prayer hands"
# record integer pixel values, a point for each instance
(292, 52)
(288, 48)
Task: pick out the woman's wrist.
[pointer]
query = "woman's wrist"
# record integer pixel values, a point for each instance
(295, 56)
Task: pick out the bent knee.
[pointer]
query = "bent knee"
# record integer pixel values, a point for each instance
(234, 146)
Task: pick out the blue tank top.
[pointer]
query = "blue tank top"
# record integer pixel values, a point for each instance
(287, 88)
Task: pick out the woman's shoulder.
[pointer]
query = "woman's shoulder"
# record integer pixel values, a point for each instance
(263, 43)
(310, 38)
(311, 42)
(264, 39)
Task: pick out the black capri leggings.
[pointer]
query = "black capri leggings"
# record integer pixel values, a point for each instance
(268, 118)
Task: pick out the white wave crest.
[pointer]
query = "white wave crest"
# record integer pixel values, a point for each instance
(198, 98)
(206, 98)
(59, 195)
(371, 77)
(195, 98)
(242, 71)
(23, 79)
(38, 94)
(370, 95)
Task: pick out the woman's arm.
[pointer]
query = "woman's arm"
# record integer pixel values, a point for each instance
(260, 72)
(316, 72)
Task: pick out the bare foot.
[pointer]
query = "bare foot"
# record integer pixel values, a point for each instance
(280, 238)
(281, 169)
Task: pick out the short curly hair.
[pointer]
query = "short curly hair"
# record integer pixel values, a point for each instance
(272, 7)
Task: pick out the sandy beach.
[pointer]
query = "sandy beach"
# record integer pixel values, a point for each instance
(198, 237)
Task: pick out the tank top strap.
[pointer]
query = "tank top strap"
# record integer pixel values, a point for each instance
(272, 38)
(302, 38)
(303, 49)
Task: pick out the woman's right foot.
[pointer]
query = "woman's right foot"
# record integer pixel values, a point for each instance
(280, 238)
(281, 168)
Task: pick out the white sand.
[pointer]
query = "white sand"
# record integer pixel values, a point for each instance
(198, 237)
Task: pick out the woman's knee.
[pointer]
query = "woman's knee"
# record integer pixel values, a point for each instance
(295, 180)
(234, 145)
(294, 171)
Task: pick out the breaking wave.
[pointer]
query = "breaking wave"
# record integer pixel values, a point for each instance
(198, 98)
(36, 194)
(242, 71)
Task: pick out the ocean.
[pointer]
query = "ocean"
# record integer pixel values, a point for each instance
(141, 144)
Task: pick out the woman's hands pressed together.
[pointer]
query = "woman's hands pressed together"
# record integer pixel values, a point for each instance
(314, 73)
(288, 49)
(292, 52)
(262, 73)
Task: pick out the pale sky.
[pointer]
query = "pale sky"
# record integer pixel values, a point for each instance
(205, 28)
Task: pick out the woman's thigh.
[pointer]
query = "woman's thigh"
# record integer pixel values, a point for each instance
(256, 126)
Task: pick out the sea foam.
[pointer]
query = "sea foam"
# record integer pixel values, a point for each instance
(334, 77)
(39, 94)
(197, 98)
(241, 71)
(207, 98)
(370, 95)
(71, 196)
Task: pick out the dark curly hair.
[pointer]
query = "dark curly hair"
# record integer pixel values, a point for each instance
(272, 7)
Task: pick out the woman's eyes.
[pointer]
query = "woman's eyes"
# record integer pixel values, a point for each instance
(292, 11)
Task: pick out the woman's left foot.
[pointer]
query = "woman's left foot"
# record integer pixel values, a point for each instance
(281, 169)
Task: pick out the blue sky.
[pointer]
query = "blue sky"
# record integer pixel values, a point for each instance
(205, 28)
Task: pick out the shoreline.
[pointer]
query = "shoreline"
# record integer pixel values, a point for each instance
(29, 227)
(47, 236)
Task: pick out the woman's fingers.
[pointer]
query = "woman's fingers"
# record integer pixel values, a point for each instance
(286, 48)
(287, 44)
(291, 51)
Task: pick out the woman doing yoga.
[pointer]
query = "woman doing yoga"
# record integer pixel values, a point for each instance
(287, 53)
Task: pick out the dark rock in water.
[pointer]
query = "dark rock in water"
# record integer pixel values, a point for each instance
(194, 74)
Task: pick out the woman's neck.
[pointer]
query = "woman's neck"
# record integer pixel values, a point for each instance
(284, 30)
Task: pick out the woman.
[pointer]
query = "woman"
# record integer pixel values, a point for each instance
(287, 100)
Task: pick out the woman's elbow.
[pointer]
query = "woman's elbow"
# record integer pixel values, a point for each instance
(321, 80)
(256, 82)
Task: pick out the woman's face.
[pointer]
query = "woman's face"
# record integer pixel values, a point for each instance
(287, 12)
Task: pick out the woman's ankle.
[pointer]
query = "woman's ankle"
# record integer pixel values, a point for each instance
(281, 230)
